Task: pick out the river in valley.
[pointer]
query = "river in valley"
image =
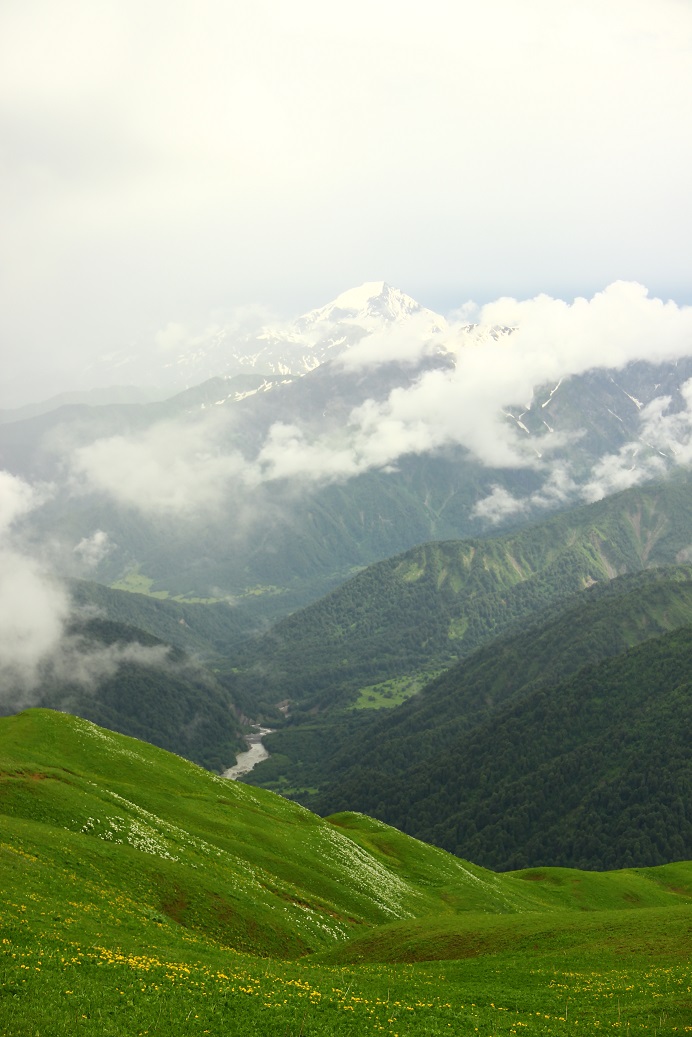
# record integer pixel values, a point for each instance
(255, 754)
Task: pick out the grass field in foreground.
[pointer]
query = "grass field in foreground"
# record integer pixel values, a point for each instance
(142, 895)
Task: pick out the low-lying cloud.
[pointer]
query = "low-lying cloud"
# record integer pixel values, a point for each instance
(36, 611)
(77, 661)
(34, 608)
(175, 467)
(665, 439)
(407, 343)
(188, 469)
(91, 550)
(33, 605)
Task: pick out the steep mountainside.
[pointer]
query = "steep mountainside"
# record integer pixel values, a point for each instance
(329, 752)
(132, 682)
(590, 771)
(550, 743)
(421, 611)
(215, 857)
(211, 858)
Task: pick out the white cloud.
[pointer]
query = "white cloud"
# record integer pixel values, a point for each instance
(34, 608)
(665, 439)
(175, 468)
(669, 432)
(444, 408)
(35, 612)
(33, 605)
(619, 324)
(76, 661)
(17, 498)
(287, 454)
(499, 505)
(187, 468)
(93, 549)
(558, 488)
(616, 472)
(406, 343)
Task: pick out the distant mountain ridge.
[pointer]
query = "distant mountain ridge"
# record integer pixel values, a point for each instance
(307, 535)
(270, 489)
(419, 611)
(115, 394)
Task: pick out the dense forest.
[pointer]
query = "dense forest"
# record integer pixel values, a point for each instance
(429, 607)
(561, 729)
(591, 772)
(210, 630)
(143, 687)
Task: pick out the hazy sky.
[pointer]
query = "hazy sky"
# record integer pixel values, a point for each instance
(173, 162)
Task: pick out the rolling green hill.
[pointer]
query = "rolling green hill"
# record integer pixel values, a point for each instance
(143, 894)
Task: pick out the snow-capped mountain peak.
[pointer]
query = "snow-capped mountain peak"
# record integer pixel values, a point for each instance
(370, 305)
(287, 348)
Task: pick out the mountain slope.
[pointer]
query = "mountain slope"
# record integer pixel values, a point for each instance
(603, 621)
(118, 800)
(140, 890)
(132, 682)
(591, 770)
(425, 609)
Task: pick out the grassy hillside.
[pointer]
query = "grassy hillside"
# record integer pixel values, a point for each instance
(423, 610)
(142, 894)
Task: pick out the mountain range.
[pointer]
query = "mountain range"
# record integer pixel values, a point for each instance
(331, 534)
(564, 741)
(272, 486)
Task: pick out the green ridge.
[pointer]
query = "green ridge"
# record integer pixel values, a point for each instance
(428, 608)
(558, 744)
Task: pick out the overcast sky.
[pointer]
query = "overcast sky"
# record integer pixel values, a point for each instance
(173, 162)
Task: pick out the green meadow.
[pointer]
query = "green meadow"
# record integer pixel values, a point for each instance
(144, 895)
(388, 694)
